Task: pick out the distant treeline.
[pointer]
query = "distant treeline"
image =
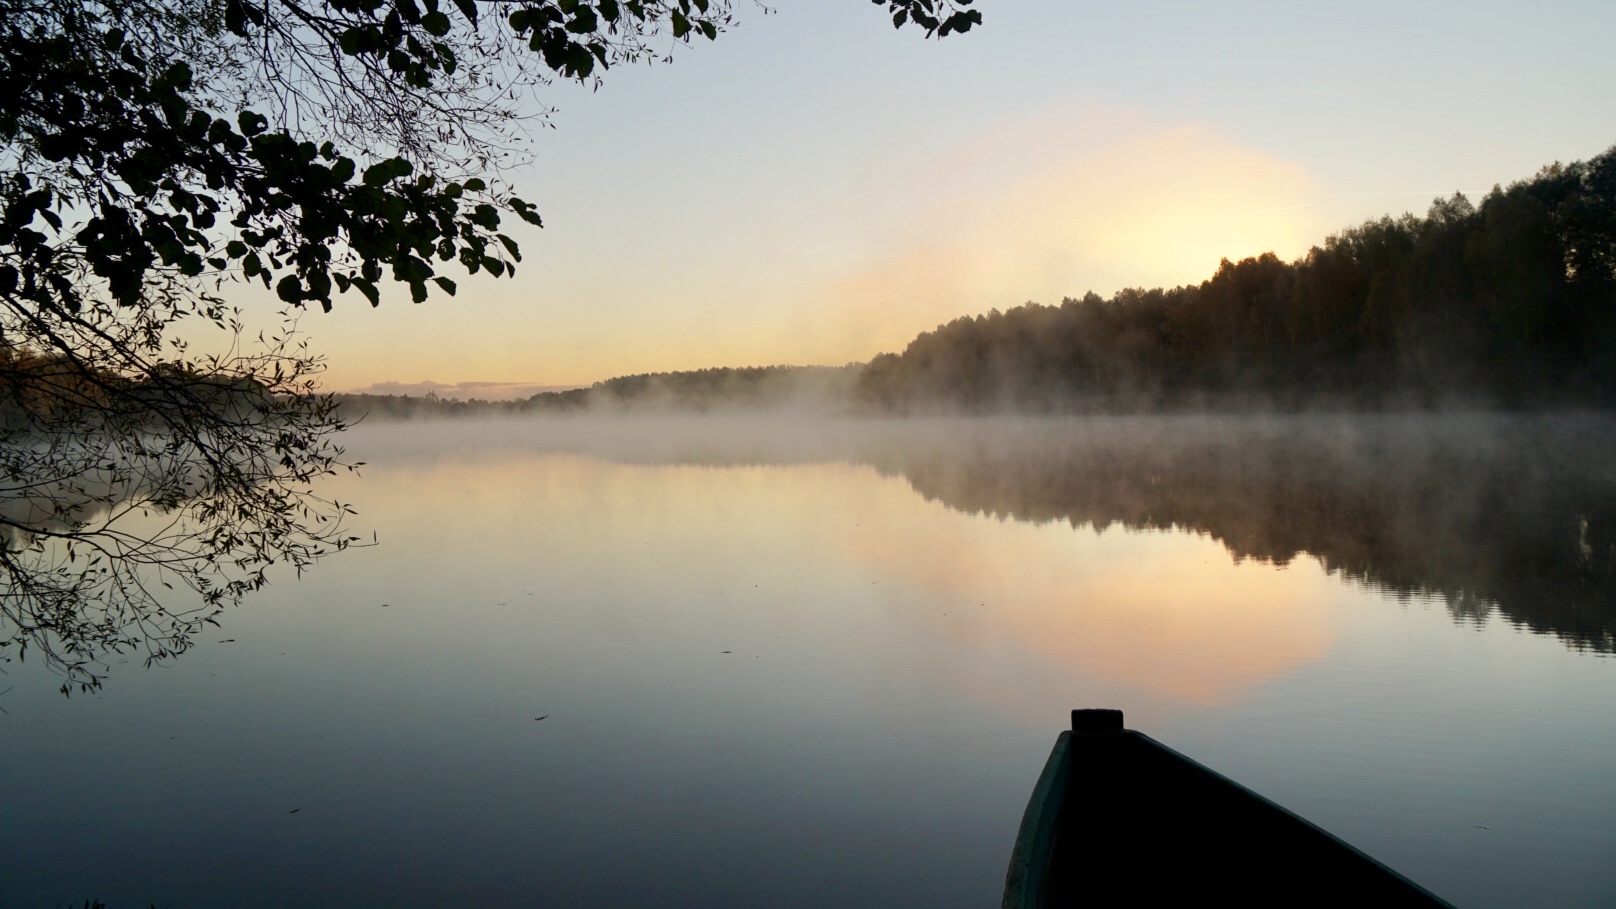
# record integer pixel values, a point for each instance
(748, 388)
(821, 389)
(1508, 303)
(1512, 303)
(412, 407)
(41, 391)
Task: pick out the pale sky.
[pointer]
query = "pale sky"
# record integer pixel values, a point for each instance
(815, 187)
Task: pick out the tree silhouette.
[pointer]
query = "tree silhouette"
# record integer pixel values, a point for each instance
(1510, 302)
(154, 150)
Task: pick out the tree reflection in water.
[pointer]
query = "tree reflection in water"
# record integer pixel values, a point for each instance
(133, 541)
(1513, 515)
(1508, 515)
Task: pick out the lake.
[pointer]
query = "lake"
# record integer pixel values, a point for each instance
(763, 661)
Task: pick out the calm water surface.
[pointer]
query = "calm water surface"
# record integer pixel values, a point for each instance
(821, 664)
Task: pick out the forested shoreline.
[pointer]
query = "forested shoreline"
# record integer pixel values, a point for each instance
(1509, 303)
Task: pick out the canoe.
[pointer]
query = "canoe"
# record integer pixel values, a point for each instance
(1119, 819)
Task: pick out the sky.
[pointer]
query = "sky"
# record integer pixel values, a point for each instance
(816, 188)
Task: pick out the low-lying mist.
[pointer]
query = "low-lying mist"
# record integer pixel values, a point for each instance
(797, 390)
(1501, 515)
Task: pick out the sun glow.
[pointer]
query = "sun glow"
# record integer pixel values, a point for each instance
(1170, 614)
(845, 558)
(1036, 208)
(1039, 215)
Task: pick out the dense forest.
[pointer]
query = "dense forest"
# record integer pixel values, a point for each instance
(1510, 303)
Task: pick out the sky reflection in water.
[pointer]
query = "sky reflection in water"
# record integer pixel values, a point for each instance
(897, 669)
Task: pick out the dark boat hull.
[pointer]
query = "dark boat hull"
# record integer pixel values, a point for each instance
(1118, 819)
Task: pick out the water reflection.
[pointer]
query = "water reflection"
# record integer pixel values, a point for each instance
(1506, 514)
(1513, 516)
(114, 543)
(773, 674)
(1167, 614)
(1516, 515)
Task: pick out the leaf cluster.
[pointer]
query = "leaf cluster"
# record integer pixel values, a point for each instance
(153, 150)
(938, 17)
(123, 141)
(118, 490)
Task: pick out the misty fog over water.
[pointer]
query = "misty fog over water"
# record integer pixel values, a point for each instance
(1508, 513)
(807, 662)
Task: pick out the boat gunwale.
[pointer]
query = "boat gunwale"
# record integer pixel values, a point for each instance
(1027, 879)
